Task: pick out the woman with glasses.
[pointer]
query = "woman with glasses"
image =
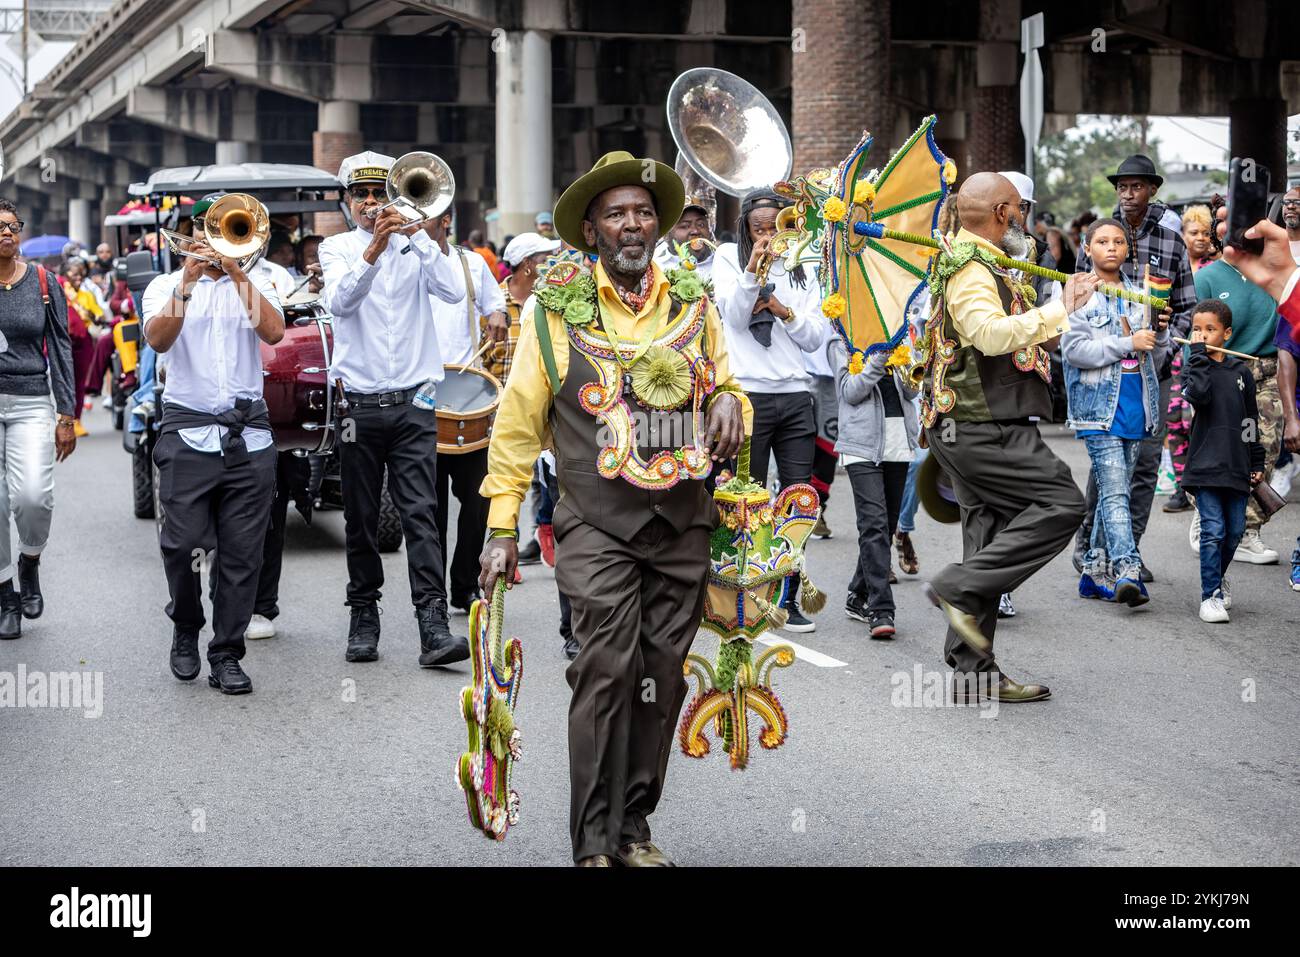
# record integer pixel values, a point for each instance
(33, 324)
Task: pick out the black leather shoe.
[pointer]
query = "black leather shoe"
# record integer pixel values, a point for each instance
(11, 613)
(363, 634)
(229, 677)
(531, 553)
(571, 647)
(29, 581)
(1147, 577)
(1178, 502)
(438, 646)
(185, 659)
(1078, 555)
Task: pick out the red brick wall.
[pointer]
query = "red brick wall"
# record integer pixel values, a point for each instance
(993, 140)
(327, 151)
(840, 79)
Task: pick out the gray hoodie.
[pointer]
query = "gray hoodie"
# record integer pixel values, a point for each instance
(862, 413)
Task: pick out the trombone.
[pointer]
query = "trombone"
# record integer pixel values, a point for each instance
(422, 183)
(237, 226)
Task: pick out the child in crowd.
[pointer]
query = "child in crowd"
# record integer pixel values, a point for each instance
(1225, 459)
(878, 430)
(1110, 362)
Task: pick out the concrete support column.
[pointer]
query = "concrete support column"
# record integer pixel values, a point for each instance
(524, 184)
(994, 139)
(231, 151)
(80, 224)
(839, 66)
(337, 136)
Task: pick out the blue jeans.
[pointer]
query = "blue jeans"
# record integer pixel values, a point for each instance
(1223, 520)
(1113, 460)
(907, 511)
(544, 495)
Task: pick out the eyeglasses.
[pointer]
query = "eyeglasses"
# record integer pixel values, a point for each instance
(360, 193)
(1290, 202)
(15, 227)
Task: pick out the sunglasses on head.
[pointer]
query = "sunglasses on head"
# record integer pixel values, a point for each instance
(361, 193)
(15, 227)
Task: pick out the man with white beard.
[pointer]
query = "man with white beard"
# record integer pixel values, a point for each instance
(1019, 503)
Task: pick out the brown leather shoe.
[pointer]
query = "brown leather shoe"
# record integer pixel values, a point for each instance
(962, 622)
(596, 860)
(1006, 690)
(643, 854)
(907, 561)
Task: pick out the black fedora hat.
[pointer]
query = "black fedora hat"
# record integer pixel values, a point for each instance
(1137, 165)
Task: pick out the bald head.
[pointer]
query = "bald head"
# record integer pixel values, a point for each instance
(988, 205)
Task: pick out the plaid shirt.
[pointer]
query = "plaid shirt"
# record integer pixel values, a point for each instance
(498, 358)
(1162, 249)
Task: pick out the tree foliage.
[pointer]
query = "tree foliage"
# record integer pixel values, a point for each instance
(1072, 167)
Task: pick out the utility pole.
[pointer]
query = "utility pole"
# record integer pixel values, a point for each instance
(25, 3)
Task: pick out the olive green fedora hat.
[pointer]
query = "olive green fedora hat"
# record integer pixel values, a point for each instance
(619, 168)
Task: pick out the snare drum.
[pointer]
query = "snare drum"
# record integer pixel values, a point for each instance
(295, 381)
(467, 403)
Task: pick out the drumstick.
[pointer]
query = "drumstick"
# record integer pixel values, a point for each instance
(1228, 352)
(482, 349)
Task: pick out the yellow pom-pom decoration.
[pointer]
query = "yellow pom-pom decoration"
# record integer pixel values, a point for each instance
(855, 363)
(833, 306)
(833, 209)
(900, 357)
(864, 192)
(949, 172)
(687, 264)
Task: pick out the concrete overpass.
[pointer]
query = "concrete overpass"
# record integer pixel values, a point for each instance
(521, 95)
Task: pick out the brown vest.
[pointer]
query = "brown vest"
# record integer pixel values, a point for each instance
(991, 388)
(615, 506)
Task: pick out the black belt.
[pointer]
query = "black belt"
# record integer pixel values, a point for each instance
(380, 399)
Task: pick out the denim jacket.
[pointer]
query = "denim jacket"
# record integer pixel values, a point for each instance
(1091, 351)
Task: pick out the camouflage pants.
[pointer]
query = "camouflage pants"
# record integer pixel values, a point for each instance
(1269, 401)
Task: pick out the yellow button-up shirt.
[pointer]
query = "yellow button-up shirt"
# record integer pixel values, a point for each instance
(978, 315)
(521, 429)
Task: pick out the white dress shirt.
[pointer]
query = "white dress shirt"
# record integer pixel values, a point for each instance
(384, 336)
(279, 277)
(217, 356)
(667, 259)
(458, 333)
(779, 367)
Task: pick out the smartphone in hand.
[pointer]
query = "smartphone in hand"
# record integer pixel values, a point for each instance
(1248, 185)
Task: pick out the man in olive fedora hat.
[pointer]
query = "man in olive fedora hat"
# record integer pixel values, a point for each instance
(601, 351)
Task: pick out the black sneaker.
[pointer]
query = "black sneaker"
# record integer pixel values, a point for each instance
(185, 660)
(1178, 502)
(882, 625)
(571, 647)
(438, 646)
(855, 607)
(796, 620)
(363, 634)
(531, 553)
(229, 677)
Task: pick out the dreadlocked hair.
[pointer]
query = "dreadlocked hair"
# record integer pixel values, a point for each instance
(761, 199)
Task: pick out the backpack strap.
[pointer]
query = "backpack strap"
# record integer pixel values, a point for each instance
(43, 278)
(548, 349)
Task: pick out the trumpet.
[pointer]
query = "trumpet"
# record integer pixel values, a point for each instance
(237, 226)
(772, 262)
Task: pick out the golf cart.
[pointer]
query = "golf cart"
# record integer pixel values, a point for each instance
(301, 398)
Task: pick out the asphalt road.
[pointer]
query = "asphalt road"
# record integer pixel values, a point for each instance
(1166, 741)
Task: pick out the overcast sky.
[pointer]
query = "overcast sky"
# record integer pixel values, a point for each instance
(1192, 139)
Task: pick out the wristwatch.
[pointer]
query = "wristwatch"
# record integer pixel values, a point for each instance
(66, 420)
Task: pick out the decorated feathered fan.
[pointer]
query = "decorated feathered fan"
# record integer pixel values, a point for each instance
(868, 282)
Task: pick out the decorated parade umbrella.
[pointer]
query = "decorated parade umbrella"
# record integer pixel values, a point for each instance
(870, 281)
(38, 247)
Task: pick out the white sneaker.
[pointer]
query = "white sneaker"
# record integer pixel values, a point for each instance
(1253, 550)
(259, 627)
(1225, 592)
(1194, 532)
(1212, 611)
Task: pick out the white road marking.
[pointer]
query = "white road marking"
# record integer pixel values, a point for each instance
(804, 654)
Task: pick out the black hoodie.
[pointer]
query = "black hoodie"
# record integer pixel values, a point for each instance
(1224, 447)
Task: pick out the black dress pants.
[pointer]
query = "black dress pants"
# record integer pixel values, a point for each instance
(1019, 508)
(877, 500)
(784, 427)
(464, 473)
(405, 439)
(268, 583)
(216, 517)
